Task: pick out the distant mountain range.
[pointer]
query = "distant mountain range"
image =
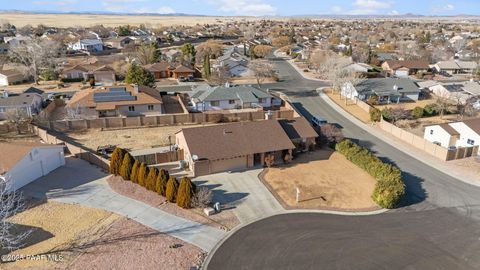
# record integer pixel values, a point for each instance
(339, 16)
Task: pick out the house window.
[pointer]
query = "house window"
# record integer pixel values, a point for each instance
(431, 132)
(131, 108)
(215, 103)
(231, 101)
(150, 107)
(2, 110)
(471, 142)
(261, 100)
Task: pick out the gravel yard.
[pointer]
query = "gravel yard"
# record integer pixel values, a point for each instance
(225, 220)
(326, 180)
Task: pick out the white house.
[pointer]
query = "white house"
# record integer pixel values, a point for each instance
(90, 45)
(30, 103)
(457, 134)
(24, 162)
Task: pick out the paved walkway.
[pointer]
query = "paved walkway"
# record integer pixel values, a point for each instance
(81, 183)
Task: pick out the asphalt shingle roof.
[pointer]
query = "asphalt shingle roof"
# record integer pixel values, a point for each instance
(385, 86)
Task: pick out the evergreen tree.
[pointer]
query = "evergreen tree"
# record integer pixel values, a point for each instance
(163, 183)
(349, 51)
(185, 192)
(136, 74)
(188, 53)
(126, 168)
(134, 172)
(151, 178)
(171, 190)
(142, 175)
(207, 71)
(116, 160)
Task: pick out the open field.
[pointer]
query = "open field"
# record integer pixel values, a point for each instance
(132, 139)
(85, 20)
(326, 179)
(351, 108)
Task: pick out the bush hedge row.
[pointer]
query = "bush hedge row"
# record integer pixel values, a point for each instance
(158, 181)
(389, 188)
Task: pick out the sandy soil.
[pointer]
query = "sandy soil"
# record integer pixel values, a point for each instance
(351, 108)
(70, 20)
(225, 220)
(326, 179)
(57, 230)
(130, 245)
(407, 105)
(128, 138)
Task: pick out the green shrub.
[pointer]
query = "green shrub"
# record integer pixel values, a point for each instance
(418, 112)
(70, 80)
(171, 190)
(134, 172)
(375, 115)
(142, 175)
(185, 192)
(151, 178)
(126, 168)
(430, 110)
(387, 114)
(161, 184)
(389, 188)
(116, 160)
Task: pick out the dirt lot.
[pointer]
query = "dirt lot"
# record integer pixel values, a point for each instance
(351, 108)
(326, 179)
(225, 220)
(407, 105)
(133, 139)
(57, 229)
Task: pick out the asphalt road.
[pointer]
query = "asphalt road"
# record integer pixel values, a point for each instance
(437, 227)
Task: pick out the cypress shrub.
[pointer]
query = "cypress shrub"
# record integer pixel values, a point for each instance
(134, 172)
(389, 188)
(163, 183)
(142, 174)
(116, 160)
(151, 178)
(126, 168)
(171, 190)
(185, 192)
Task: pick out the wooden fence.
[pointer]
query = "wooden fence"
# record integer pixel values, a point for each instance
(164, 157)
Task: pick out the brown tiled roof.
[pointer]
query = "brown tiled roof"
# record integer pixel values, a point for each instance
(411, 64)
(84, 98)
(13, 152)
(298, 128)
(474, 124)
(158, 67)
(236, 139)
(449, 129)
(76, 67)
(182, 68)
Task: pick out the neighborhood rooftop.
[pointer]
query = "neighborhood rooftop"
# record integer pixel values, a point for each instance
(245, 93)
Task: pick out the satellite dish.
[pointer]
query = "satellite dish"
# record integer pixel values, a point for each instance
(194, 157)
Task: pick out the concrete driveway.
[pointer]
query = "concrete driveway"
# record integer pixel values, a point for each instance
(243, 191)
(78, 182)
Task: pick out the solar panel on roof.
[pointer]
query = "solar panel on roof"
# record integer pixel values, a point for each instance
(114, 98)
(118, 89)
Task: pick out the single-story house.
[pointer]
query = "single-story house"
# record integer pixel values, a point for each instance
(23, 162)
(456, 92)
(119, 42)
(160, 70)
(103, 75)
(359, 67)
(30, 103)
(233, 146)
(128, 100)
(299, 131)
(207, 98)
(182, 71)
(89, 45)
(405, 68)
(388, 90)
(458, 134)
(8, 77)
(455, 67)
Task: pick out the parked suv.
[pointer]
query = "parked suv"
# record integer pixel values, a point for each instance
(317, 121)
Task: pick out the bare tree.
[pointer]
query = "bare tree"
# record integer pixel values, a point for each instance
(262, 51)
(399, 113)
(36, 55)
(146, 54)
(220, 76)
(329, 134)
(442, 104)
(212, 48)
(202, 198)
(18, 117)
(11, 203)
(262, 70)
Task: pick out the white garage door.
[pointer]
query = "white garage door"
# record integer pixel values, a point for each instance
(401, 73)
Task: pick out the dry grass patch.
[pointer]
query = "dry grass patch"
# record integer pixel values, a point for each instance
(407, 105)
(326, 179)
(58, 227)
(351, 108)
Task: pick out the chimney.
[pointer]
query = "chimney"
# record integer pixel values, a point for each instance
(395, 87)
(135, 89)
(227, 84)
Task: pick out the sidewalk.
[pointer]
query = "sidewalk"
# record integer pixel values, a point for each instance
(406, 148)
(81, 183)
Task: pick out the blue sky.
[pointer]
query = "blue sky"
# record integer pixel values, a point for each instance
(254, 7)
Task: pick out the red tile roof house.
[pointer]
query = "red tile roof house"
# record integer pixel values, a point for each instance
(164, 69)
(241, 145)
(127, 100)
(405, 68)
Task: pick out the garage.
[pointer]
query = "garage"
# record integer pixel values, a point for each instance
(228, 164)
(401, 72)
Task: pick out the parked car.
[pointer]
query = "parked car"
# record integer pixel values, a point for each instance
(182, 79)
(318, 121)
(190, 78)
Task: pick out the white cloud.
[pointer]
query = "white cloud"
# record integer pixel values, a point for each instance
(393, 13)
(337, 9)
(445, 8)
(244, 7)
(366, 7)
